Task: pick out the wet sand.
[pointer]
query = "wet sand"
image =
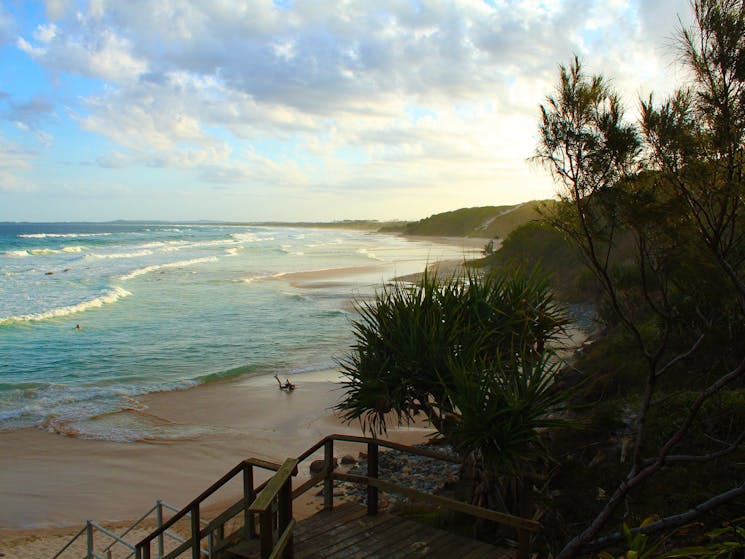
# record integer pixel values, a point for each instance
(51, 481)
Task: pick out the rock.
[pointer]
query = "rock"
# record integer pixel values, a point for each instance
(362, 455)
(348, 459)
(317, 466)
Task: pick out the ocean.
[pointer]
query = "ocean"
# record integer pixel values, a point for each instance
(92, 315)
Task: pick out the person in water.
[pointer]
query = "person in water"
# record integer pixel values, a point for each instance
(287, 384)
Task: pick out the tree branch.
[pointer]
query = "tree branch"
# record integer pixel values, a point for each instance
(669, 522)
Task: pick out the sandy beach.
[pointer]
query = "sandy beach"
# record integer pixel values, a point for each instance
(52, 483)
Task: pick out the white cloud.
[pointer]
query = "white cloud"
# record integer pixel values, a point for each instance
(29, 49)
(56, 9)
(320, 95)
(45, 33)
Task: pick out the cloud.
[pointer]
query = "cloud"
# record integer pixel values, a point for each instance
(84, 46)
(333, 96)
(30, 116)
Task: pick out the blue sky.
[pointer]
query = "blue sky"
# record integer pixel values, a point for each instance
(288, 110)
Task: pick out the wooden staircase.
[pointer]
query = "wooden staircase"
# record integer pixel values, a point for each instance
(348, 531)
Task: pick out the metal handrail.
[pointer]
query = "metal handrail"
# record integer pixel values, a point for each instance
(90, 525)
(250, 504)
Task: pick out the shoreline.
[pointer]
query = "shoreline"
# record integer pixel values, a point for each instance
(52, 484)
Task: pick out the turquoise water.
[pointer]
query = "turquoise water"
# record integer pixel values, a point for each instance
(166, 307)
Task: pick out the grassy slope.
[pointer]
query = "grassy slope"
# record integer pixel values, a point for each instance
(487, 221)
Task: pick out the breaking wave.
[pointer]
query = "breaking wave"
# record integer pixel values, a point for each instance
(106, 298)
(156, 267)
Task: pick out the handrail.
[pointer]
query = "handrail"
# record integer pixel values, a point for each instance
(278, 488)
(111, 535)
(193, 506)
(380, 442)
(119, 538)
(523, 525)
(264, 500)
(459, 506)
(260, 501)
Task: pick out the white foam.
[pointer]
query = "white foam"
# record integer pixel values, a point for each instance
(245, 237)
(17, 253)
(115, 255)
(252, 279)
(107, 297)
(368, 253)
(74, 248)
(60, 235)
(41, 251)
(155, 267)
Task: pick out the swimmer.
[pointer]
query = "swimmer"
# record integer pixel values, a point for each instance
(77, 327)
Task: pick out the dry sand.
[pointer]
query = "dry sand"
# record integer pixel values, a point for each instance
(51, 481)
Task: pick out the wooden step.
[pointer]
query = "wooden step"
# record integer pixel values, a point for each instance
(246, 549)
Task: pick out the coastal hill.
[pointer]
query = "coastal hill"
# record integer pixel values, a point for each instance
(484, 222)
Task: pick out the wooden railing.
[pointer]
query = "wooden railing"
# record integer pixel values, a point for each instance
(523, 526)
(279, 488)
(260, 501)
(217, 525)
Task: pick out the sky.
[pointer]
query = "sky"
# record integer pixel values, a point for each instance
(299, 110)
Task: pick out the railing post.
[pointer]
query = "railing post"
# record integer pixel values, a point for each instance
(196, 552)
(89, 539)
(285, 515)
(372, 472)
(159, 516)
(249, 528)
(265, 529)
(328, 483)
(523, 536)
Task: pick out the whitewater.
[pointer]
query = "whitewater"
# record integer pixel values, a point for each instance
(94, 315)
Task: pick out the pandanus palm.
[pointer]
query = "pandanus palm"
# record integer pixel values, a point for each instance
(472, 353)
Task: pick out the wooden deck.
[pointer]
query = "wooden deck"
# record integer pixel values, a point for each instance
(347, 532)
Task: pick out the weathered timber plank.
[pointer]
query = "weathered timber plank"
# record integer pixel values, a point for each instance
(418, 543)
(454, 546)
(348, 533)
(381, 542)
(343, 537)
(246, 548)
(333, 541)
(324, 521)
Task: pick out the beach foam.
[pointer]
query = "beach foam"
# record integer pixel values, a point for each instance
(106, 298)
(115, 255)
(60, 235)
(156, 267)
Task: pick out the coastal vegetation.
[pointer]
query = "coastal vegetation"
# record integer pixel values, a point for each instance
(655, 210)
(489, 222)
(474, 356)
(649, 233)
